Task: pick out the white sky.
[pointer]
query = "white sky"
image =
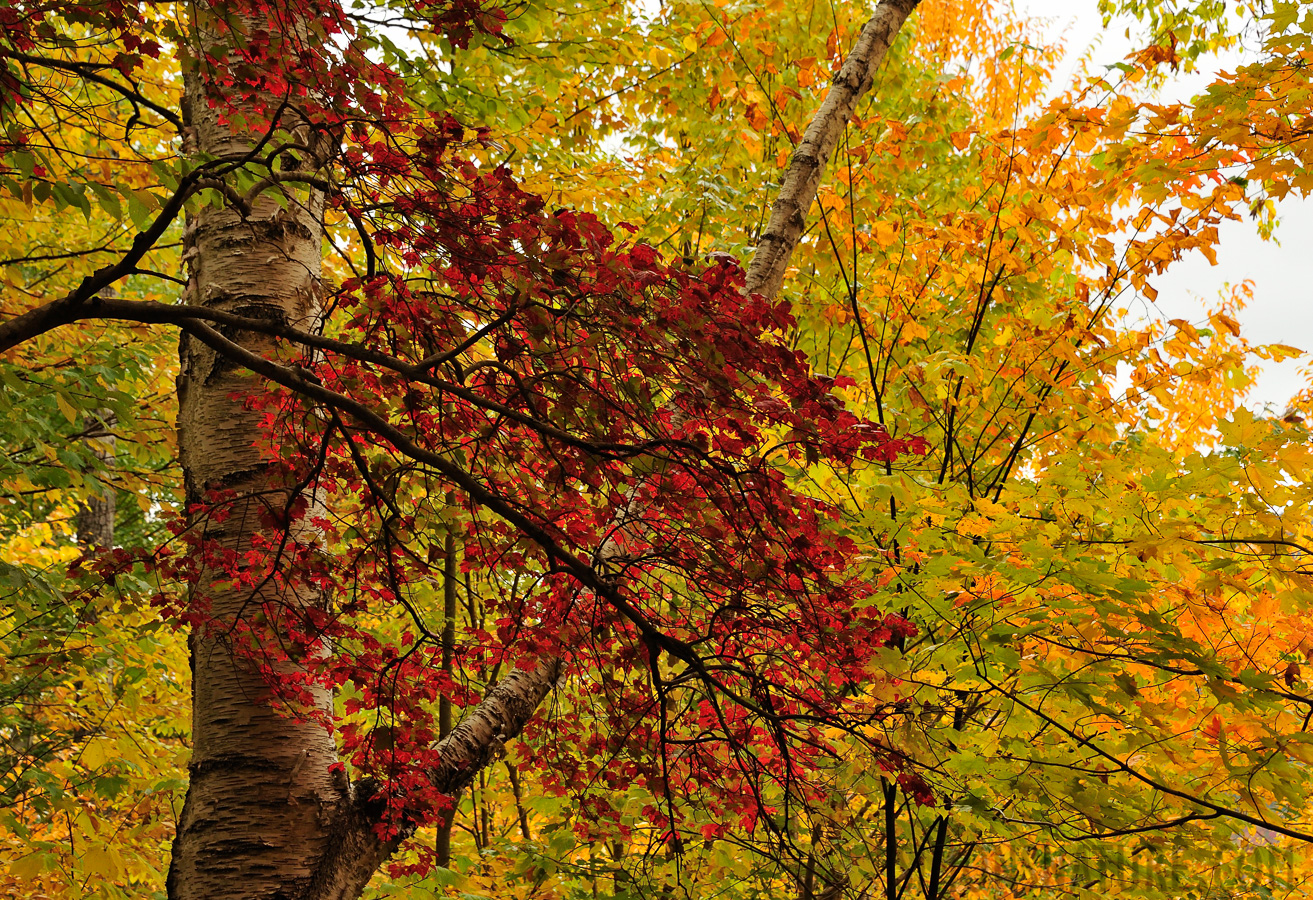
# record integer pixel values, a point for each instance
(1281, 311)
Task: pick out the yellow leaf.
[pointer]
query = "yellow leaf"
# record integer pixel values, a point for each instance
(84, 823)
(95, 755)
(690, 42)
(102, 861)
(974, 526)
(1228, 323)
(66, 408)
(1283, 351)
(29, 866)
(1185, 328)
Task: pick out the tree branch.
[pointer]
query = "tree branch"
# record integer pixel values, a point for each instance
(358, 850)
(503, 713)
(89, 71)
(789, 212)
(79, 302)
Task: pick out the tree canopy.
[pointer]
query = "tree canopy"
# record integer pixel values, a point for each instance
(708, 448)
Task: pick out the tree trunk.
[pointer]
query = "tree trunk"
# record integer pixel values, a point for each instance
(788, 215)
(95, 517)
(357, 851)
(255, 821)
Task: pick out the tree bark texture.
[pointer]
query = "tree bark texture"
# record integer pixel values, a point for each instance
(254, 824)
(357, 851)
(788, 217)
(95, 517)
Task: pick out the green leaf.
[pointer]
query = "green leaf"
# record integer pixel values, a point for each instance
(109, 201)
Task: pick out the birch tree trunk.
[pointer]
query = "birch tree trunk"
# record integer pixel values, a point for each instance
(261, 799)
(788, 218)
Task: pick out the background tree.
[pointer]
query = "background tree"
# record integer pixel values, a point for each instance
(999, 411)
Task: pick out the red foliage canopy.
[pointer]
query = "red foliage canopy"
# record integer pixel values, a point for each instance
(619, 441)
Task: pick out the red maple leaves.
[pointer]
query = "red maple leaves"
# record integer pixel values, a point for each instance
(621, 444)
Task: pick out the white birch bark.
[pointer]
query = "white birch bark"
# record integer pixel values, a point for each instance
(356, 850)
(788, 218)
(260, 798)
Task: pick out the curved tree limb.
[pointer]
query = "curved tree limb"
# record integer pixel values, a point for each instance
(358, 850)
(509, 705)
(92, 72)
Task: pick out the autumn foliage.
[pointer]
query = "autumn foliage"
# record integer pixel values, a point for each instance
(950, 570)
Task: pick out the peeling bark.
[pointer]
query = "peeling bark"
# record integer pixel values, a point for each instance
(788, 217)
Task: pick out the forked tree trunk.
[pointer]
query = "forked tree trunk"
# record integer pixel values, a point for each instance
(263, 818)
